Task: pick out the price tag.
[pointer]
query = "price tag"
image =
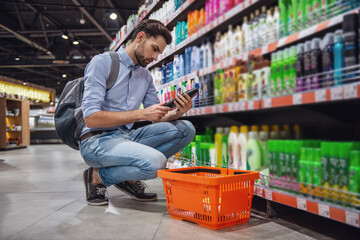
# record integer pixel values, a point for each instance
(352, 218)
(350, 91)
(251, 105)
(268, 194)
(202, 111)
(236, 107)
(221, 108)
(259, 191)
(297, 98)
(301, 203)
(336, 93)
(267, 103)
(320, 95)
(231, 107)
(324, 210)
(242, 106)
(213, 109)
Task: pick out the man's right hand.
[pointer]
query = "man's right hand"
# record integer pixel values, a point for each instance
(155, 112)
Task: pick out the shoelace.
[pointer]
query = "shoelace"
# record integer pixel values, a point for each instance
(101, 190)
(141, 185)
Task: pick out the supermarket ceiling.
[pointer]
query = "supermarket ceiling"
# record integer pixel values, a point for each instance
(31, 45)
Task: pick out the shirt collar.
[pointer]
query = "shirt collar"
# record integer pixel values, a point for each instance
(125, 58)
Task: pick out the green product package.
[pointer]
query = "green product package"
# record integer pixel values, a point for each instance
(287, 165)
(354, 172)
(270, 154)
(205, 155)
(334, 164)
(210, 133)
(281, 160)
(308, 11)
(296, 145)
(302, 166)
(225, 147)
(317, 174)
(273, 84)
(325, 164)
(280, 72)
(285, 77)
(309, 165)
(283, 17)
(344, 164)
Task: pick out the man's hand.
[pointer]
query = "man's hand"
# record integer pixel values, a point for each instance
(155, 112)
(183, 104)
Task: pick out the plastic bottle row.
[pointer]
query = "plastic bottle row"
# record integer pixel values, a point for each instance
(328, 171)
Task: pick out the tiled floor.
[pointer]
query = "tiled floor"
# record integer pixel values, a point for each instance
(42, 197)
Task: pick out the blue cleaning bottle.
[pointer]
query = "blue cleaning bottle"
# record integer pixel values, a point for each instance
(338, 58)
(182, 66)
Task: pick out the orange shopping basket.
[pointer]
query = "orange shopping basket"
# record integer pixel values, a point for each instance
(211, 197)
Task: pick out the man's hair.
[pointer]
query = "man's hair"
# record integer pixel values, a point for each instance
(152, 28)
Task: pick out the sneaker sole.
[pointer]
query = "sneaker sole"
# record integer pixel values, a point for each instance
(90, 203)
(135, 198)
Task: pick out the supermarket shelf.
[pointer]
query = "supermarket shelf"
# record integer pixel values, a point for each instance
(268, 48)
(208, 28)
(328, 210)
(337, 93)
(170, 20)
(153, 6)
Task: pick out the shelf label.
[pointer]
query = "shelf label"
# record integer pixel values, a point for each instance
(297, 98)
(336, 93)
(320, 95)
(352, 218)
(231, 107)
(267, 103)
(247, 3)
(259, 191)
(242, 106)
(268, 194)
(213, 109)
(251, 105)
(324, 210)
(350, 91)
(301, 203)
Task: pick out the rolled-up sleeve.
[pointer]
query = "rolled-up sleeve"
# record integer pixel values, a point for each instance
(151, 95)
(96, 73)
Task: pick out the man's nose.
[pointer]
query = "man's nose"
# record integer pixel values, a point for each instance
(154, 56)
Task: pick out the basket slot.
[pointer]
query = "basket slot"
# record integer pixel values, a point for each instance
(199, 170)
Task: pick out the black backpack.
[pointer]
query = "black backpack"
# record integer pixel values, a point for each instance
(69, 120)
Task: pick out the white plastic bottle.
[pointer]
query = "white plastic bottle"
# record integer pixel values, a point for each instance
(229, 42)
(276, 24)
(243, 138)
(203, 56)
(217, 47)
(253, 150)
(250, 39)
(223, 47)
(246, 34)
(285, 132)
(237, 42)
(275, 133)
(269, 27)
(233, 147)
(262, 27)
(256, 29)
(209, 54)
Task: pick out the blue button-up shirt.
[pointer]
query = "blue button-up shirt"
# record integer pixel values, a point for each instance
(133, 86)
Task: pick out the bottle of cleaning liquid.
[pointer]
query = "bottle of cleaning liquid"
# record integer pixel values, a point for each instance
(354, 175)
(217, 47)
(242, 79)
(275, 133)
(246, 34)
(292, 70)
(285, 133)
(273, 84)
(209, 54)
(269, 27)
(218, 144)
(225, 147)
(307, 66)
(224, 47)
(283, 17)
(202, 55)
(264, 138)
(300, 67)
(233, 148)
(242, 141)
(309, 12)
(253, 152)
(297, 131)
(286, 78)
(256, 29)
(350, 31)
(316, 63)
(237, 42)
(265, 75)
(262, 27)
(229, 42)
(176, 67)
(276, 25)
(338, 58)
(280, 72)
(251, 39)
(328, 59)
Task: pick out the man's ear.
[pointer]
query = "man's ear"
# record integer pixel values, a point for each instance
(140, 37)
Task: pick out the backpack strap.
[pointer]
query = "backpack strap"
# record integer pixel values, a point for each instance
(115, 66)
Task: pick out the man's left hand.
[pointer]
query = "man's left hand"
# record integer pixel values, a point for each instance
(183, 104)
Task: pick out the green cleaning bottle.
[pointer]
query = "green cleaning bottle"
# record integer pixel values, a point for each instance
(309, 169)
(334, 169)
(218, 145)
(354, 178)
(317, 174)
(283, 17)
(292, 70)
(308, 12)
(280, 72)
(225, 147)
(273, 66)
(295, 158)
(302, 171)
(325, 164)
(285, 77)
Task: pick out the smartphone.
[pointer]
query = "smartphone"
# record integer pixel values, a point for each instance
(190, 92)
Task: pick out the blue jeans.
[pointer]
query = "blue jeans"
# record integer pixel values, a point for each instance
(136, 154)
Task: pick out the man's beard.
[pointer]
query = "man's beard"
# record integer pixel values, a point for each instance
(139, 56)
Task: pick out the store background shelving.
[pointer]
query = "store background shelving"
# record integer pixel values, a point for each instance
(318, 109)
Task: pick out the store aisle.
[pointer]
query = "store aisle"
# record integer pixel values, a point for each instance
(42, 197)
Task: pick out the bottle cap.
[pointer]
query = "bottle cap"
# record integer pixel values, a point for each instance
(315, 43)
(275, 128)
(264, 128)
(245, 19)
(338, 35)
(244, 129)
(296, 128)
(234, 129)
(254, 128)
(300, 48)
(253, 135)
(350, 22)
(263, 9)
(220, 130)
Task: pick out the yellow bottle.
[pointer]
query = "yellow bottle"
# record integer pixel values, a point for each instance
(218, 145)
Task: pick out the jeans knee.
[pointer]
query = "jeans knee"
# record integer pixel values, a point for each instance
(156, 161)
(188, 129)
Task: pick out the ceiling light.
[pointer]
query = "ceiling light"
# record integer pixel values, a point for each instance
(113, 16)
(65, 36)
(82, 21)
(76, 42)
(24, 83)
(58, 82)
(64, 75)
(51, 103)
(17, 59)
(37, 101)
